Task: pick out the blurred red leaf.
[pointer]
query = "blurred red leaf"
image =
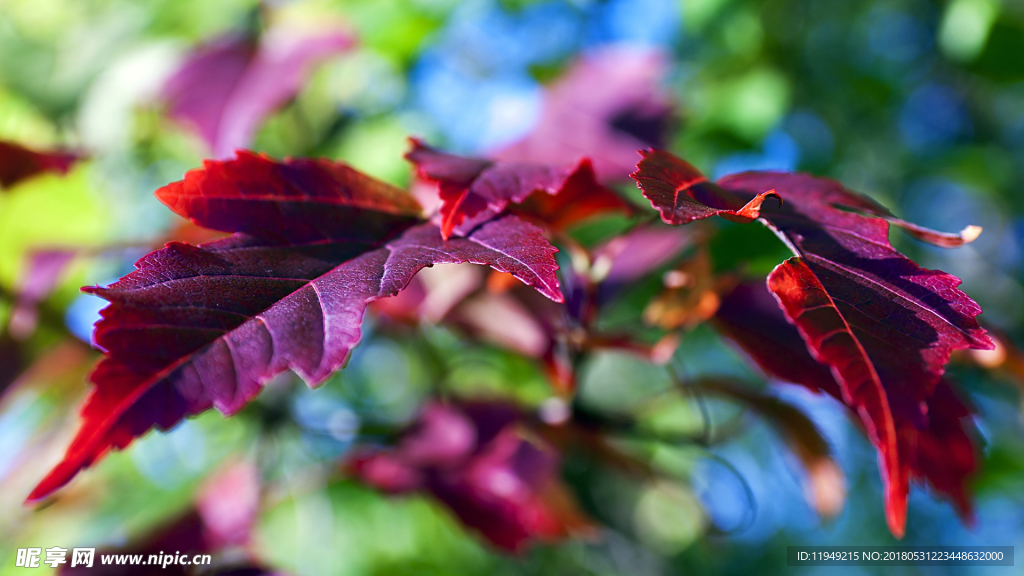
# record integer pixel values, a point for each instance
(223, 517)
(226, 88)
(483, 464)
(606, 106)
(229, 503)
(18, 163)
(473, 190)
(624, 259)
(935, 437)
(883, 325)
(315, 241)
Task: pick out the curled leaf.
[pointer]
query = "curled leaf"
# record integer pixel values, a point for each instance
(682, 194)
(473, 190)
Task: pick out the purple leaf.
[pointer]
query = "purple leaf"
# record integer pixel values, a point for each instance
(226, 88)
(196, 327)
(474, 190)
(480, 462)
(607, 105)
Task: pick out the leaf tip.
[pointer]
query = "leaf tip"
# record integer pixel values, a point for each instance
(896, 510)
(751, 210)
(53, 481)
(414, 144)
(970, 233)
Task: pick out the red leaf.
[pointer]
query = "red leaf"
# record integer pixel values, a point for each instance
(474, 190)
(751, 317)
(200, 327)
(479, 460)
(682, 194)
(934, 438)
(295, 201)
(883, 325)
(229, 504)
(18, 163)
(226, 88)
(606, 106)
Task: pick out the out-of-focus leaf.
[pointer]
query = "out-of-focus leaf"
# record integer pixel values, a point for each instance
(935, 439)
(826, 486)
(315, 241)
(473, 190)
(18, 163)
(625, 259)
(432, 293)
(1006, 359)
(479, 461)
(226, 88)
(12, 360)
(692, 294)
(885, 326)
(60, 367)
(222, 518)
(608, 105)
(228, 503)
(42, 272)
(505, 320)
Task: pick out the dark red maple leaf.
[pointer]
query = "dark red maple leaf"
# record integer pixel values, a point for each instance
(935, 440)
(196, 327)
(226, 87)
(18, 163)
(884, 326)
(481, 462)
(472, 190)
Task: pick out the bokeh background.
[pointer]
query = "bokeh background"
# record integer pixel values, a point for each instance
(917, 103)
